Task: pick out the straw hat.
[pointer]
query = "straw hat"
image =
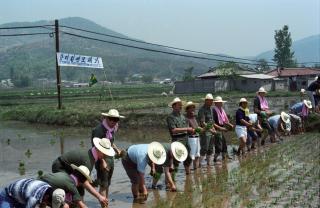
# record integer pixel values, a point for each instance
(112, 113)
(285, 117)
(303, 91)
(307, 103)
(58, 197)
(83, 170)
(189, 103)
(175, 100)
(243, 100)
(208, 97)
(218, 99)
(104, 146)
(261, 89)
(156, 153)
(179, 151)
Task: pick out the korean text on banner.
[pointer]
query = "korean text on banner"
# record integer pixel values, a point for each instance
(69, 59)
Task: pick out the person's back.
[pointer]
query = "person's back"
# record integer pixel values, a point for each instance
(138, 154)
(297, 108)
(28, 192)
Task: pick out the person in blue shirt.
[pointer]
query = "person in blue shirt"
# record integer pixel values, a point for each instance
(302, 109)
(135, 162)
(30, 193)
(280, 123)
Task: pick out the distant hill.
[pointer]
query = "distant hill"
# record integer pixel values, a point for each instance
(305, 50)
(34, 56)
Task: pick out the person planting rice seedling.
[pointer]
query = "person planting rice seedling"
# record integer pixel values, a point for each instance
(296, 124)
(69, 183)
(135, 162)
(88, 158)
(31, 193)
(261, 107)
(302, 109)
(221, 124)
(253, 132)
(107, 129)
(179, 128)
(242, 123)
(175, 153)
(206, 122)
(280, 124)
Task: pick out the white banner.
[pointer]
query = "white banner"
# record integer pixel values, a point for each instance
(69, 59)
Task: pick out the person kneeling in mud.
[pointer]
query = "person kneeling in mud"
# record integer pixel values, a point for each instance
(70, 183)
(176, 152)
(135, 162)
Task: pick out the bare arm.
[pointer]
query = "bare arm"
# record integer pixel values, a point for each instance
(169, 179)
(94, 192)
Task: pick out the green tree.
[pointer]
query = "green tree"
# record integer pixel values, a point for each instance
(188, 74)
(282, 53)
(147, 78)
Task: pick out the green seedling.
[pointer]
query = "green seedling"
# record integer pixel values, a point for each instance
(82, 145)
(21, 168)
(40, 173)
(52, 142)
(28, 153)
(8, 141)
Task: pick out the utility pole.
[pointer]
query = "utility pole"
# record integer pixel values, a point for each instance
(56, 25)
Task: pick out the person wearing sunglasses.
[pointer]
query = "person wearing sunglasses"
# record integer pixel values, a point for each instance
(107, 129)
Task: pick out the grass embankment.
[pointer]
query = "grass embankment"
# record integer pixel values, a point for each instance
(284, 175)
(141, 104)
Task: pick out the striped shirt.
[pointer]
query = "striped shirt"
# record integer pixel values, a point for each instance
(28, 192)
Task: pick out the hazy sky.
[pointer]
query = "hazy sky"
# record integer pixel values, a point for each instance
(234, 27)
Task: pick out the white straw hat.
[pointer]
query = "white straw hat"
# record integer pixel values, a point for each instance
(208, 96)
(112, 113)
(58, 197)
(83, 170)
(104, 146)
(307, 103)
(175, 100)
(218, 99)
(156, 153)
(285, 117)
(303, 91)
(189, 103)
(243, 100)
(261, 89)
(179, 151)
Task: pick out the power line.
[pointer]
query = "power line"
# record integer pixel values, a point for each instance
(25, 34)
(154, 44)
(158, 51)
(24, 27)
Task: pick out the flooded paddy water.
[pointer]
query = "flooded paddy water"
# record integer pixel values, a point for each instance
(277, 175)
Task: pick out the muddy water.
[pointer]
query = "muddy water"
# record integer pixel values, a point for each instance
(36, 146)
(45, 143)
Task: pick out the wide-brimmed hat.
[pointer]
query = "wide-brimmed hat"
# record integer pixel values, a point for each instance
(218, 99)
(243, 100)
(179, 151)
(83, 170)
(307, 103)
(261, 89)
(58, 197)
(175, 100)
(113, 113)
(208, 96)
(104, 146)
(156, 153)
(188, 104)
(303, 91)
(285, 117)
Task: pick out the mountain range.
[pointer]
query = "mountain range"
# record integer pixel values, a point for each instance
(34, 56)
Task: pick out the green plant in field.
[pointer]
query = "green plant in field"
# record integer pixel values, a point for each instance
(52, 141)
(21, 168)
(40, 173)
(8, 141)
(28, 153)
(82, 145)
